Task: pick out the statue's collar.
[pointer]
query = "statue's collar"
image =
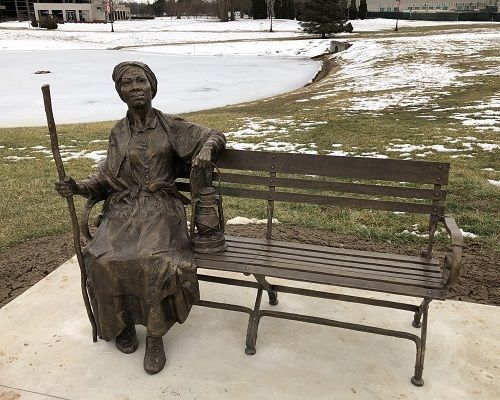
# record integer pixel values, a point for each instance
(123, 135)
(151, 122)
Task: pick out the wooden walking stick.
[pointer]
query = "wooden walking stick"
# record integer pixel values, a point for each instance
(71, 205)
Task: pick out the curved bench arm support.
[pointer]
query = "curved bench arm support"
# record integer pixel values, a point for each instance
(84, 225)
(452, 261)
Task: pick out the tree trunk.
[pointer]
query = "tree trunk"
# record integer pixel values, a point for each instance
(223, 8)
(232, 11)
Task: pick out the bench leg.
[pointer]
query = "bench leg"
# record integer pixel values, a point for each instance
(419, 363)
(418, 315)
(253, 325)
(273, 294)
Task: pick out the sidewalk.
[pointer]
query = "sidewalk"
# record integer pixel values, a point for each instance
(46, 352)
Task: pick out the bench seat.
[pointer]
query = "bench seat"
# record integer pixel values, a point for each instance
(382, 272)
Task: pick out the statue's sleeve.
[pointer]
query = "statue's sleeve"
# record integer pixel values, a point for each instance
(101, 183)
(96, 184)
(188, 139)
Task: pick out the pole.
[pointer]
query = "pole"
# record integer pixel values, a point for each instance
(111, 14)
(271, 9)
(71, 206)
(397, 15)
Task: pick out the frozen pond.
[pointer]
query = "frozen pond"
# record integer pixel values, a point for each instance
(82, 89)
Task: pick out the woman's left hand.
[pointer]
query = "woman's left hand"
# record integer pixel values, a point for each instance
(203, 158)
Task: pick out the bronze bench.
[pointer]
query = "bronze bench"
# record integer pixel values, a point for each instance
(406, 186)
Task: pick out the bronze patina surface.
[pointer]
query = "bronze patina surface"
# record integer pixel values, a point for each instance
(139, 264)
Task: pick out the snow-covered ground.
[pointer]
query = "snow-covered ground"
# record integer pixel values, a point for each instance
(415, 73)
(289, 48)
(80, 65)
(378, 73)
(21, 36)
(82, 89)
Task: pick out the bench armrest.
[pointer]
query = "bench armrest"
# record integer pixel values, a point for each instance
(452, 261)
(84, 225)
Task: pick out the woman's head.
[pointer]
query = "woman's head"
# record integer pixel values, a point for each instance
(135, 83)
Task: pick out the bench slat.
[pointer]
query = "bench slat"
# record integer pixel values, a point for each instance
(349, 202)
(357, 283)
(331, 250)
(346, 167)
(334, 201)
(379, 190)
(333, 268)
(431, 271)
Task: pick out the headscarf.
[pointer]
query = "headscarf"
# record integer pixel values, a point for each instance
(120, 69)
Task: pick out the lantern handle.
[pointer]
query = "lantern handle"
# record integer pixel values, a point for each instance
(221, 213)
(219, 198)
(193, 208)
(218, 175)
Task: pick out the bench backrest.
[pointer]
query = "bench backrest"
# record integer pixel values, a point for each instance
(366, 183)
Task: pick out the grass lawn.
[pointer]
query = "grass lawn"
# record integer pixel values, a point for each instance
(324, 117)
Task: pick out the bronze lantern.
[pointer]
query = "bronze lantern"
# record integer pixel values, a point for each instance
(207, 222)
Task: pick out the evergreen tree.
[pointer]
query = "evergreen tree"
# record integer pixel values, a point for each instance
(353, 12)
(277, 9)
(363, 9)
(159, 7)
(281, 9)
(324, 17)
(291, 9)
(259, 9)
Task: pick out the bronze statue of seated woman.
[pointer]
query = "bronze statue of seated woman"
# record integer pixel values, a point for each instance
(139, 263)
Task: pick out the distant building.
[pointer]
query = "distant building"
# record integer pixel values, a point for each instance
(121, 12)
(83, 11)
(16, 9)
(7, 9)
(63, 10)
(80, 10)
(430, 5)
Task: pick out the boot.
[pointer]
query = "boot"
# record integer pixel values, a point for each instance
(126, 341)
(154, 357)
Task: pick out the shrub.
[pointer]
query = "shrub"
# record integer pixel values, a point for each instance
(48, 23)
(34, 22)
(324, 17)
(362, 11)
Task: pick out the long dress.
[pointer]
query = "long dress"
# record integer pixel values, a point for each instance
(139, 263)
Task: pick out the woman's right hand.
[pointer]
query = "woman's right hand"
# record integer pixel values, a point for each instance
(66, 187)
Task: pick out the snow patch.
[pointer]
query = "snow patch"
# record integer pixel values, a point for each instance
(96, 155)
(248, 221)
(468, 234)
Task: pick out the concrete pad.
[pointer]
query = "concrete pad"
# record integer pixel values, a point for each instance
(8, 393)
(46, 351)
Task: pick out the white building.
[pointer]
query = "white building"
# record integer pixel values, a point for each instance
(81, 10)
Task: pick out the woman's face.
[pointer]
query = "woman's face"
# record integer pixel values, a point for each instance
(135, 88)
